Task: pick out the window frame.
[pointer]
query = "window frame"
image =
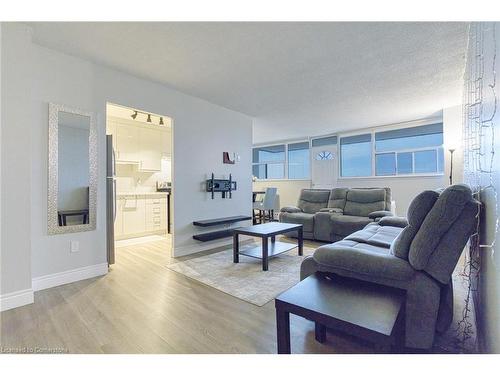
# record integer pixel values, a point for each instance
(373, 132)
(285, 162)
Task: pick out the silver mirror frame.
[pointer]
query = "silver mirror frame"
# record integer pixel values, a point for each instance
(53, 182)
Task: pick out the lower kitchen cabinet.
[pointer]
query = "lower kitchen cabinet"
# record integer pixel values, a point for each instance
(140, 215)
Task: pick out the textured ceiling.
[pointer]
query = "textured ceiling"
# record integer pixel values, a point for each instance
(296, 79)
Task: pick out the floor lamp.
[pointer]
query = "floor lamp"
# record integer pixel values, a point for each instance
(451, 150)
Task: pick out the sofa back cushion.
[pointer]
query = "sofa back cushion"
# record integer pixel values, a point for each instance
(444, 232)
(313, 200)
(360, 202)
(337, 198)
(417, 211)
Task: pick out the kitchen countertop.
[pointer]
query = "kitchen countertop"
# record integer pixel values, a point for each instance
(145, 193)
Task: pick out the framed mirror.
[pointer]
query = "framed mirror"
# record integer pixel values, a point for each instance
(72, 182)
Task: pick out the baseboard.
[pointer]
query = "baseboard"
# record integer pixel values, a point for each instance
(66, 277)
(16, 299)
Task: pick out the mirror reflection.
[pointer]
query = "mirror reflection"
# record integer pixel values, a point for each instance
(73, 169)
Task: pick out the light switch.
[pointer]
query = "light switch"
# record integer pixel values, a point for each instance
(74, 246)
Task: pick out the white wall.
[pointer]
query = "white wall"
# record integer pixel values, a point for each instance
(288, 190)
(16, 164)
(37, 76)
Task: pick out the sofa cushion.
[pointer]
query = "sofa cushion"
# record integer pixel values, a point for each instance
(337, 198)
(393, 221)
(364, 261)
(376, 235)
(313, 200)
(307, 220)
(417, 211)
(290, 209)
(361, 202)
(447, 209)
(443, 260)
(344, 225)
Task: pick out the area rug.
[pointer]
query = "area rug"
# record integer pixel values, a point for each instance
(245, 280)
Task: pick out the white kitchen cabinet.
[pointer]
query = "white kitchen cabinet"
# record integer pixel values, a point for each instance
(156, 214)
(134, 215)
(127, 147)
(150, 149)
(140, 215)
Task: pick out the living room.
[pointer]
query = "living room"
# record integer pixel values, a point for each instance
(368, 148)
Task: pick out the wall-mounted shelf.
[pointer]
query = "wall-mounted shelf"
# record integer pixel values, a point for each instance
(221, 220)
(210, 236)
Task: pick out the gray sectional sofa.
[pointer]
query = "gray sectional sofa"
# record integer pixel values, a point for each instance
(417, 254)
(330, 215)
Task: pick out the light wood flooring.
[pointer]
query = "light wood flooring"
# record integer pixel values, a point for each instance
(140, 306)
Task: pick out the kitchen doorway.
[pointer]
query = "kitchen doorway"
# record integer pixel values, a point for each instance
(138, 181)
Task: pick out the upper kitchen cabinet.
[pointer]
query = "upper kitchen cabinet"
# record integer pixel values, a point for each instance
(150, 142)
(139, 143)
(127, 148)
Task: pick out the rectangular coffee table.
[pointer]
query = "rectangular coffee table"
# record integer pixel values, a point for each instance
(369, 311)
(267, 250)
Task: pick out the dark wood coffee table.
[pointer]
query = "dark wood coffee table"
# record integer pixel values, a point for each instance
(369, 311)
(267, 250)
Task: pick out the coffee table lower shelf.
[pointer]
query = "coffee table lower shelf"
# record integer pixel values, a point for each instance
(274, 249)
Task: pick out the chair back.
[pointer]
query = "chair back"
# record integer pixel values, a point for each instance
(269, 202)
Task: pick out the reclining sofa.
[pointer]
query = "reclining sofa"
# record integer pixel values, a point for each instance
(417, 254)
(330, 215)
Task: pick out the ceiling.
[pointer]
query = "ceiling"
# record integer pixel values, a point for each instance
(295, 79)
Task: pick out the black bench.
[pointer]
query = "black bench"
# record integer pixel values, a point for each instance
(369, 311)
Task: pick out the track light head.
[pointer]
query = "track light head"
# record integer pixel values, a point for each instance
(149, 117)
(134, 115)
(161, 121)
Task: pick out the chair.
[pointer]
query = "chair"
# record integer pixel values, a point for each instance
(417, 254)
(265, 208)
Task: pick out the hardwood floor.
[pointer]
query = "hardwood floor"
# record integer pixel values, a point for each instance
(140, 306)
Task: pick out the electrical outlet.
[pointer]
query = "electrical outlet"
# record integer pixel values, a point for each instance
(74, 246)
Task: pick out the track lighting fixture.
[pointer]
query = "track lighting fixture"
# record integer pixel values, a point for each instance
(149, 119)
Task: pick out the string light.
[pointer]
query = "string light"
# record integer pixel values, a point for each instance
(479, 128)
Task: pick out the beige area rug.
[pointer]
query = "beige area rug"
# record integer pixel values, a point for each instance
(245, 280)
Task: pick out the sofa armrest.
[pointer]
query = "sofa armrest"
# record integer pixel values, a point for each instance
(332, 210)
(379, 214)
(393, 221)
(291, 209)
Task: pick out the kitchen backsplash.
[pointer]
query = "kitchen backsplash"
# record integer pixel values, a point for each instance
(129, 179)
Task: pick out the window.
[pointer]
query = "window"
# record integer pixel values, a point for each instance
(356, 156)
(409, 151)
(269, 162)
(324, 141)
(298, 160)
(292, 161)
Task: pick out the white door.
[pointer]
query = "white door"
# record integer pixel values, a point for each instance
(324, 166)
